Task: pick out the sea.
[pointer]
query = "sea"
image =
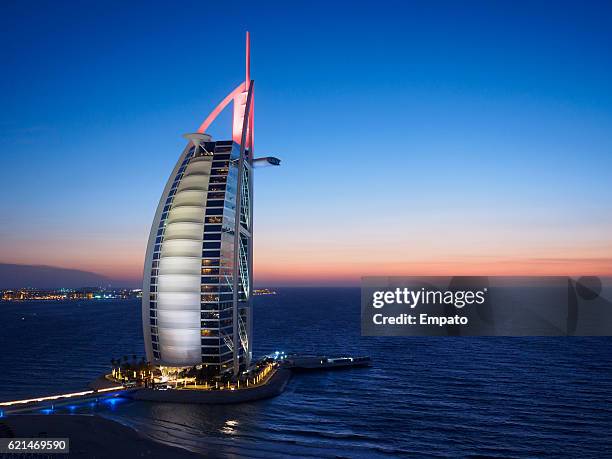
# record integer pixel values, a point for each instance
(423, 397)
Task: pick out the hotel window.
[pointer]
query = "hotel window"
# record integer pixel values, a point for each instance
(218, 203)
(210, 315)
(210, 298)
(211, 245)
(207, 332)
(211, 253)
(210, 280)
(214, 219)
(212, 228)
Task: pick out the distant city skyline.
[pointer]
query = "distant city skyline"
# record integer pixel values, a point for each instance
(417, 139)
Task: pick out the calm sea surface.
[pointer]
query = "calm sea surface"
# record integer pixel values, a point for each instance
(443, 397)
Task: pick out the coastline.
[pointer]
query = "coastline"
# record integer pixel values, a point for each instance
(92, 436)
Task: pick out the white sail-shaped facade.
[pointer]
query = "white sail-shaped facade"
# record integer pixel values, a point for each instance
(198, 276)
(198, 273)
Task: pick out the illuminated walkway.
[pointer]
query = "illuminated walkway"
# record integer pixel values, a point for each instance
(32, 403)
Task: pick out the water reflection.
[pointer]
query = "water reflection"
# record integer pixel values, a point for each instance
(202, 428)
(228, 428)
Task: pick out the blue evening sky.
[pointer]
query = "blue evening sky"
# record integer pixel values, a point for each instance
(397, 123)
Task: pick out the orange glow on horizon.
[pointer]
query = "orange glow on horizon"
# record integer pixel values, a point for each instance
(129, 270)
(326, 262)
(351, 273)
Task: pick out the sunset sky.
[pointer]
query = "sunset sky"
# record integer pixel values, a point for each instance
(417, 138)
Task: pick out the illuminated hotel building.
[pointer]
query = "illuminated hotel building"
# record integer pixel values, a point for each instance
(198, 273)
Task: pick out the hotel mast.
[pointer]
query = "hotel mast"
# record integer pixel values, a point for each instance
(198, 273)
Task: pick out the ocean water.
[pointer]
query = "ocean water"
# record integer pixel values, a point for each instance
(423, 397)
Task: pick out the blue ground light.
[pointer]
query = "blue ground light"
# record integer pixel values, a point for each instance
(113, 402)
(76, 408)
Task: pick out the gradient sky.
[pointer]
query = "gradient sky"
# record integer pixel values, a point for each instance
(417, 138)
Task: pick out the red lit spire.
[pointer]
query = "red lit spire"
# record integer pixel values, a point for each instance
(239, 97)
(247, 80)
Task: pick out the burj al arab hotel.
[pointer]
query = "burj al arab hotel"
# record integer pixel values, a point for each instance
(198, 272)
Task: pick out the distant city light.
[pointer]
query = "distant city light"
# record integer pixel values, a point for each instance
(61, 294)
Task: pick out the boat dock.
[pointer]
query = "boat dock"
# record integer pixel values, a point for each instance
(298, 362)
